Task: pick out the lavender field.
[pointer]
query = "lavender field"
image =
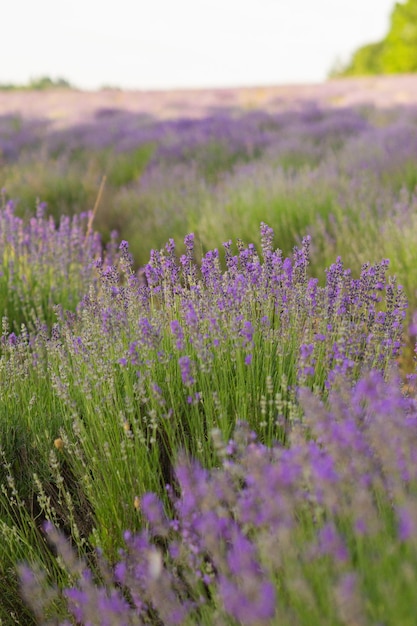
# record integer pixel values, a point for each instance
(209, 315)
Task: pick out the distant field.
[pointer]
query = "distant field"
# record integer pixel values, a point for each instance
(68, 107)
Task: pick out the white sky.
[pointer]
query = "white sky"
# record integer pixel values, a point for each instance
(162, 44)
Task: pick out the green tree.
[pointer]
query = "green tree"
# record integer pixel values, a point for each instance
(366, 60)
(400, 50)
(395, 54)
(45, 82)
(40, 84)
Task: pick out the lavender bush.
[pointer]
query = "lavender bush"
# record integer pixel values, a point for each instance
(195, 349)
(308, 533)
(43, 265)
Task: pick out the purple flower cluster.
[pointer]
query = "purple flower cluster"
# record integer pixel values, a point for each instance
(241, 540)
(349, 324)
(44, 264)
(233, 342)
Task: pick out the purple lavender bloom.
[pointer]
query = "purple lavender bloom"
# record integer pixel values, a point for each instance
(152, 509)
(189, 243)
(186, 370)
(331, 543)
(154, 271)
(407, 526)
(178, 333)
(267, 238)
(12, 339)
(107, 606)
(254, 603)
(247, 333)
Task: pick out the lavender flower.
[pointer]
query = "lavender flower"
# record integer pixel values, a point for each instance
(186, 370)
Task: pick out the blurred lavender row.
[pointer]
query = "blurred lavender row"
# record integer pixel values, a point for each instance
(219, 174)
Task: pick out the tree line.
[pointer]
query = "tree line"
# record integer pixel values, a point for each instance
(395, 54)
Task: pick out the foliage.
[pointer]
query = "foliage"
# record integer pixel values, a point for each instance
(367, 60)
(39, 84)
(400, 54)
(396, 53)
